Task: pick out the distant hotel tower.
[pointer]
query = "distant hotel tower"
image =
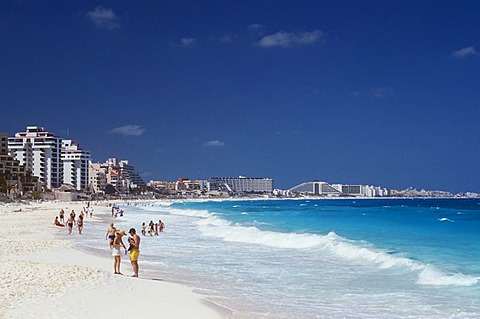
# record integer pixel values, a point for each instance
(242, 184)
(75, 165)
(39, 151)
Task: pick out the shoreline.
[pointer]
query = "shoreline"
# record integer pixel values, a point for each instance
(44, 274)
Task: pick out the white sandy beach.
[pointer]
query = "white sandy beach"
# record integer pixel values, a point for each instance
(45, 277)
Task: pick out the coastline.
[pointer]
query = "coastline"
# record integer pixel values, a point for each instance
(43, 274)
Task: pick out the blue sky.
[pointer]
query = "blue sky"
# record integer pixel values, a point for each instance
(372, 92)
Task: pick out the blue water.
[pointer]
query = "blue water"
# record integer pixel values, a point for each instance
(381, 258)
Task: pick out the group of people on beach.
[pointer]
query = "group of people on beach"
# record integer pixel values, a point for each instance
(115, 236)
(71, 221)
(153, 228)
(116, 210)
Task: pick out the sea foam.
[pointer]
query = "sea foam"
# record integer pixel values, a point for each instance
(348, 250)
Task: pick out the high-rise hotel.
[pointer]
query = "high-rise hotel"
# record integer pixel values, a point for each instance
(75, 164)
(53, 160)
(39, 151)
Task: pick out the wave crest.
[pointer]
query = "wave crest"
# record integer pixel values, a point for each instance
(349, 250)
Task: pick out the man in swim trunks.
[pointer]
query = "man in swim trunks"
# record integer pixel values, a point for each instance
(111, 234)
(134, 242)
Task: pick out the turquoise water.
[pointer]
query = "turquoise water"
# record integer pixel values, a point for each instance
(394, 258)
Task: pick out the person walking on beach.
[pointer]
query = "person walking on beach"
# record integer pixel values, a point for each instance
(80, 224)
(144, 227)
(111, 234)
(61, 215)
(117, 244)
(70, 222)
(134, 242)
(161, 225)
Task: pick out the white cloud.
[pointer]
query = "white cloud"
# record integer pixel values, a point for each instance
(187, 42)
(382, 92)
(257, 28)
(103, 18)
(132, 130)
(464, 52)
(214, 143)
(288, 39)
(227, 38)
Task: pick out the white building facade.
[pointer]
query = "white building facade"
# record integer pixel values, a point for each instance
(120, 174)
(325, 189)
(75, 165)
(40, 152)
(129, 173)
(97, 177)
(242, 184)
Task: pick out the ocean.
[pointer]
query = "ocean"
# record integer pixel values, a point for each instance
(315, 258)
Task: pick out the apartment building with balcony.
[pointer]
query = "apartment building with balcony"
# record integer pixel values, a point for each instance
(97, 177)
(241, 184)
(39, 151)
(14, 177)
(75, 162)
(120, 174)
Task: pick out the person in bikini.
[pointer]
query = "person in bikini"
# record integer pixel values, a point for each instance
(57, 223)
(111, 234)
(70, 222)
(80, 224)
(117, 244)
(150, 228)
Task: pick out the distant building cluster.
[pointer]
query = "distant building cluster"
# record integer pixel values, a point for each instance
(317, 188)
(215, 186)
(37, 160)
(324, 189)
(118, 174)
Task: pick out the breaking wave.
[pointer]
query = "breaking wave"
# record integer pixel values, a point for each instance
(349, 250)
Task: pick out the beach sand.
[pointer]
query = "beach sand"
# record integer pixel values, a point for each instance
(45, 277)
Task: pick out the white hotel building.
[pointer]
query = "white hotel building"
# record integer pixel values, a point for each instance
(39, 151)
(242, 184)
(75, 165)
